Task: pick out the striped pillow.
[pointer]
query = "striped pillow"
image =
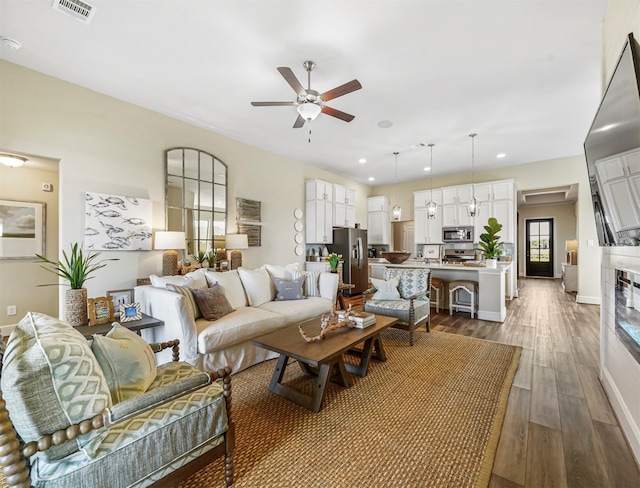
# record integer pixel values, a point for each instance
(311, 288)
(185, 291)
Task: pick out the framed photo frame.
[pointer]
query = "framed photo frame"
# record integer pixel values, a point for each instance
(100, 310)
(129, 312)
(120, 297)
(224, 265)
(23, 229)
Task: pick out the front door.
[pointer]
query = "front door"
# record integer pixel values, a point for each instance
(539, 243)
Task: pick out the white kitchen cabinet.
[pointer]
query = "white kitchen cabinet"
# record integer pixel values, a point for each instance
(378, 204)
(427, 231)
(344, 206)
(619, 180)
(456, 216)
(421, 198)
(496, 199)
(319, 212)
(495, 190)
(456, 194)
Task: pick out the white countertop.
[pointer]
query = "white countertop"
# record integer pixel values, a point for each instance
(502, 266)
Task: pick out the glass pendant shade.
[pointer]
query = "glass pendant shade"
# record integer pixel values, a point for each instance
(472, 207)
(432, 209)
(309, 110)
(396, 213)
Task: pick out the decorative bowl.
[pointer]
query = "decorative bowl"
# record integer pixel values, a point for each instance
(396, 257)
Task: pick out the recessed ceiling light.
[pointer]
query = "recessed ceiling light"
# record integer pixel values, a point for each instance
(362, 160)
(501, 155)
(385, 124)
(10, 43)
(371, 178)
(427, 168)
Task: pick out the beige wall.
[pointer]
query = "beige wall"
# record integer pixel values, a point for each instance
(564, 220)
(19, 277)
(619, 371)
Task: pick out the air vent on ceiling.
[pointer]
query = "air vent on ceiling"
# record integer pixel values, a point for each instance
(76, 9)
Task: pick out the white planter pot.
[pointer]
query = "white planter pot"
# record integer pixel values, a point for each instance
(492, 263)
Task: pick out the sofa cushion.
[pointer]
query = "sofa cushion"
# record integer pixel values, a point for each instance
(127, 361)
(163, 281)
(257, 285)
(386, 290)
(299, 310)
(212, 303)
(311, 288)
(186, 292)
(239, 326)
(231, 285)
(50, 380)
(196, 280)
(289, 289)
(281, 272)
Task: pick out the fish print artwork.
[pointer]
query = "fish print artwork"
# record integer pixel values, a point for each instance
(117, 223)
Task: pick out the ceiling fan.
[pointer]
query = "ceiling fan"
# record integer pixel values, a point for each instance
(309, 103)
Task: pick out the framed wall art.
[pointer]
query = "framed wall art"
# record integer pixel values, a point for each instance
(117, 223)
(100, 310)
(22, 229)
(254, 234)
(247, 210)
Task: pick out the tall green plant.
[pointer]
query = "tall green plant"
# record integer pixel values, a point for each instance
(490, 240)
(76, 268)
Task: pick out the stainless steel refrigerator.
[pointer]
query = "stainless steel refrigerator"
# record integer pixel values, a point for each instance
(352, 244)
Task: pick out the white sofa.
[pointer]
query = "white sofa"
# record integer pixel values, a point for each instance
(211, 345)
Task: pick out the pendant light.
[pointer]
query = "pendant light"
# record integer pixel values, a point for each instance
(432, 207)
(472, 205)
(396, 211)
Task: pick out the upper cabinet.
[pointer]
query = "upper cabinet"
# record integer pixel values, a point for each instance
(344, 206)
(496, 199)
(454, 206)
(426, 230)
(378, 222)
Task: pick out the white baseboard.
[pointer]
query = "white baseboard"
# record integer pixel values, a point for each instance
(588, 300)
(629, 428)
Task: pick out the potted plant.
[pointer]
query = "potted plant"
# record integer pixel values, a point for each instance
(75, 268)
(334, 260)
(201, 257)
(490, 242)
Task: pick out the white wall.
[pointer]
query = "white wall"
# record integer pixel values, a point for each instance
(619, 371)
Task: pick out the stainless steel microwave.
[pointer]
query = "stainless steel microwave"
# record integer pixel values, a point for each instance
(457, 234)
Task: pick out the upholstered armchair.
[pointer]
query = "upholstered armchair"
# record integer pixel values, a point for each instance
(403, 294)
(104, 415)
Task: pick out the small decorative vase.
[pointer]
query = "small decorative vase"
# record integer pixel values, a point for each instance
(75, 307)
(492, 263)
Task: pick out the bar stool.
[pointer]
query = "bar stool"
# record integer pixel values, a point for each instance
(437, 285)
(471, 287)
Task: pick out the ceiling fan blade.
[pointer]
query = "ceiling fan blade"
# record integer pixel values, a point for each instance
(349, 87)
(272, 104)
(338, 114)
(299, 122)
(288, 75)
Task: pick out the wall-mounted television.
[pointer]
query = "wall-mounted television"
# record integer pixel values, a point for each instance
(612, 150)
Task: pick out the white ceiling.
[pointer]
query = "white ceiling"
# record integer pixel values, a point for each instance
(523, 74)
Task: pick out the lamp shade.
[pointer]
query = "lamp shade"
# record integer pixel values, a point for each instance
(237, 241)
(571, 245)
(170, 240)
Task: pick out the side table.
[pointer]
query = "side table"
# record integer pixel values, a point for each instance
(136, 325)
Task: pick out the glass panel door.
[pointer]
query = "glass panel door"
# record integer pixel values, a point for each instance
(539, 243)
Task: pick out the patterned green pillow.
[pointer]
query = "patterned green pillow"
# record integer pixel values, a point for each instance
(412, 281)
(50, 380)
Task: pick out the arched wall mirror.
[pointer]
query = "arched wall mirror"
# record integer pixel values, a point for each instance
(196, 198)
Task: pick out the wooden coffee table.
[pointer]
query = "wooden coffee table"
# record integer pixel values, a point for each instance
(322, 358)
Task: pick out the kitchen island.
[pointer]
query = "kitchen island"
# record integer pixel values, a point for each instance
(494, 284)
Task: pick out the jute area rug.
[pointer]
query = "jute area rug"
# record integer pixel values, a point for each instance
(430, 416)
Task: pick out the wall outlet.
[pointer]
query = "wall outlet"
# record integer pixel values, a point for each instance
(11, 309)
(47, 187)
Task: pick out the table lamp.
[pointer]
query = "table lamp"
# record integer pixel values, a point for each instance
(234, 243)
(572, 251)
(170, 240)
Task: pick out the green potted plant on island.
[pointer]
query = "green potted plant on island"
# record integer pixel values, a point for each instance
(334, 261)
(75, 269)
(490, 242)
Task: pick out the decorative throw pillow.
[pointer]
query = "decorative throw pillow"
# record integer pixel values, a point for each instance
(50, 380)
(186, 292)
(289, 289)
(196, 280)
(231, 285)
(257, 285)
(212, 302)
(311, 288)
(127, 361)
(386, 290)
(281, 272)
(162, 281)
(412, 281)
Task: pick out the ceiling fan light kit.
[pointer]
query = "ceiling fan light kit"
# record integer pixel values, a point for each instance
(310, 103)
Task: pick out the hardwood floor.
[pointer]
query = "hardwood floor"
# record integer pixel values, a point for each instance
(559, 429)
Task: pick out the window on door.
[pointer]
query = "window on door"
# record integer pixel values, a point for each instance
(539, 252)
